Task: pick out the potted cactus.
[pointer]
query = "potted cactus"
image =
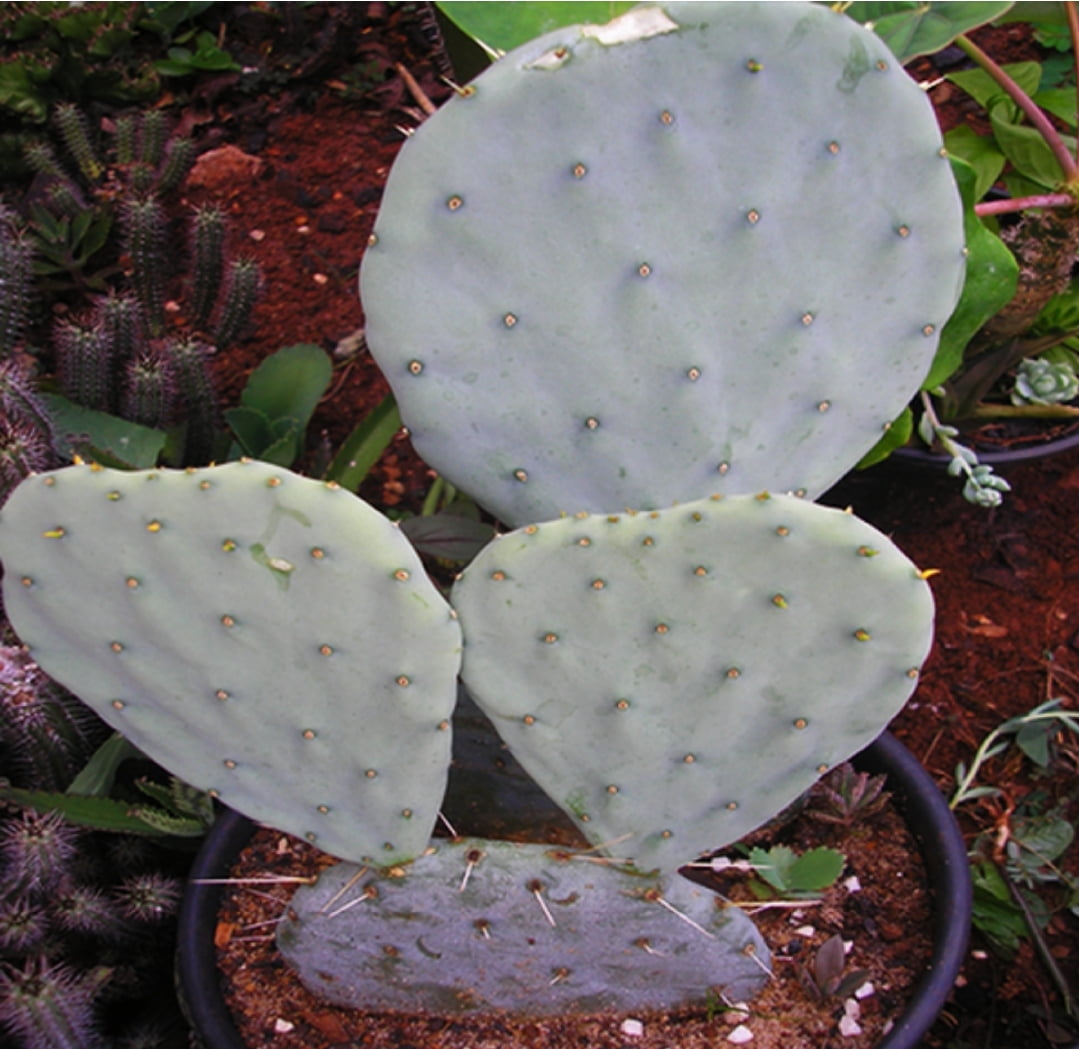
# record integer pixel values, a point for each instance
(625, 304)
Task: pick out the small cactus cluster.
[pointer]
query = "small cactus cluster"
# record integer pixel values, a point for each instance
(85, 918)
(121, 354)
(83, 949)
(645, 315)
(26, 433)
(46, 734)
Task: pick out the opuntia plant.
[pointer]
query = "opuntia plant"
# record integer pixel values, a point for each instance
(633, 353)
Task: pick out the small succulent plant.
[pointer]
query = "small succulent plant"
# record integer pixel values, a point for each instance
(1042, 381)
(846, 796)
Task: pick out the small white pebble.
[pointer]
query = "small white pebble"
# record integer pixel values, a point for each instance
(806, 931)
(303, 229)
(849, 1027)
(257, 234)
(740, 1035)
(848, 946)
(282, 1026)
(738, 1012)
(320, 278)
(632, 1028)
(867, 990)
(852, 884)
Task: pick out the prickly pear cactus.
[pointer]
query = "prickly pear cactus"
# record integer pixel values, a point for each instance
(713, 252)
(481, 925)
(673, 679)
(264, 636)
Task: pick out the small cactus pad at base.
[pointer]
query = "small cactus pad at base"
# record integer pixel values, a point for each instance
(674, 678)
(716, 257)
(488, 926)
(264, 636)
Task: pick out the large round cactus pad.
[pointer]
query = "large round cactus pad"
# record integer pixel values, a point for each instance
(674, 678)
(710, 247)
(264, 636)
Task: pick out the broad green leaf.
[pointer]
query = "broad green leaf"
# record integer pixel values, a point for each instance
(984, 89)
(502, 27)
(1033, 740)
(99, 773)
(992, 276)
(796, 875)
(365, 445)
(447, 534)
(816, 869)
(1046, 837)
(123, 443)
(251, 427)
(981, 152)
(995, 914)
(1027, 149)
(285, 449)
(897, 435)
(1060, 101)
(912, 29)
(289, 383)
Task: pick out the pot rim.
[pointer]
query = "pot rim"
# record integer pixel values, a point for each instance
(912, 455)
(913, 790)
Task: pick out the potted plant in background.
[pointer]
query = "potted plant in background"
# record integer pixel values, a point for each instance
(246, 581)
(1003, 385)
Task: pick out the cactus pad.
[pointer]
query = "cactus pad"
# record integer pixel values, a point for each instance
(482, 925)
(715, 257)
(264, 636)
(679, 676)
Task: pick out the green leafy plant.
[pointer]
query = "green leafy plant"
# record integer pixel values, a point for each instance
(54, 52)
(125, 390)
(277, 404)
(1024, 170)
(1015, 857)
(797, 876)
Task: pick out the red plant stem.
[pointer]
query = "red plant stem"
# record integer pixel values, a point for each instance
(1036, 116)
(1043, 200)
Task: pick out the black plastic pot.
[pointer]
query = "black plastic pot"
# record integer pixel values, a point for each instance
(915, 793)
(999, 460)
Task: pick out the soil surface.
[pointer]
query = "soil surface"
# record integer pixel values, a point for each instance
(302, 186)
(880, 908)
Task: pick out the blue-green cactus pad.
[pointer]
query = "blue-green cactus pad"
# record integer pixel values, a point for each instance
(626, 274)
(262, 635)
(488, 926)
(679, 676)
